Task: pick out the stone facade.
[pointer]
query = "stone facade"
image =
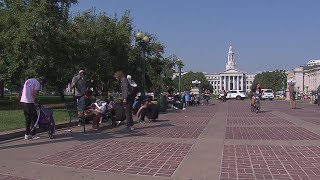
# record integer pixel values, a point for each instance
(307, 78)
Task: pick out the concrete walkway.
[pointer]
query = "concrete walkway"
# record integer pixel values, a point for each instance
(220, 141)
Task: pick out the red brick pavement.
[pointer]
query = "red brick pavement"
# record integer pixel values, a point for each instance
(257, 121)
(186, 120)
(311, 120)
(270, 133)
(270, 162)
(9, 177)
(139, 158)
(171, 131)
(251, 114)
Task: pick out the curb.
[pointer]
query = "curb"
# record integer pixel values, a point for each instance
(7, 135)
(16, 133)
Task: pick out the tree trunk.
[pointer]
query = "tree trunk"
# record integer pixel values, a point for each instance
(104, 92)
(1, 88)
(61, 92)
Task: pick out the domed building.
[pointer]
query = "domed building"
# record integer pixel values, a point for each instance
(231, 78)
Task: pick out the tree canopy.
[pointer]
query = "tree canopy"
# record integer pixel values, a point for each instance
(186, 81)
(40, 38)
(276, 80)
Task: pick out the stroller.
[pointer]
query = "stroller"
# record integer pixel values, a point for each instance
(45, 120)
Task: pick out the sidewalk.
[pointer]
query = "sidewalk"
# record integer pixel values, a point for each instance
(221, 141)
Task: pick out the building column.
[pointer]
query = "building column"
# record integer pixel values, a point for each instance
(229, 83)
(220, 84)
(238, 81)
(234, 82)
(224, 82)
(242, 85)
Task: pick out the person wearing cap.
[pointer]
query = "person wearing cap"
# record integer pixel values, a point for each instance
(29, 94)
(79, 84)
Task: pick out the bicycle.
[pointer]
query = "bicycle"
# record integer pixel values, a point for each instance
(255, 104)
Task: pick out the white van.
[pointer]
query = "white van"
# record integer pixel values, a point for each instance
(267, 94)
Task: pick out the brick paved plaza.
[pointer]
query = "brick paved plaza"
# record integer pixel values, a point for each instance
(220, 141)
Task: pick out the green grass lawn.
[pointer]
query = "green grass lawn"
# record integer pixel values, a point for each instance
(14, 119)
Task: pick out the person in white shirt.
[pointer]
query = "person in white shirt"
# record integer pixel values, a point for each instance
(30, 91)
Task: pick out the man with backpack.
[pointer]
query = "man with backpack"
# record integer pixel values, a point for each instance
(128, 96)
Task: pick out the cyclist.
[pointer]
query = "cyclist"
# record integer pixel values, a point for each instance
(255, 92)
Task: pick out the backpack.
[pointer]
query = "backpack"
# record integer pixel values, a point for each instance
(133, 87)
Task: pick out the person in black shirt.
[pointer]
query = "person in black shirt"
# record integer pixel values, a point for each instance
(148, 109)
(117, 112)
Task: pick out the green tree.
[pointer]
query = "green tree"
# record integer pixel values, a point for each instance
(275, 80)
(159, 69)
(103, 45)
(35, 40)
(191, 76)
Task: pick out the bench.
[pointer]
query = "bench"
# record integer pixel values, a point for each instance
(71, 108)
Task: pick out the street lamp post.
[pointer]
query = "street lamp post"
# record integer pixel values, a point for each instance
(143, 41)
(180, 64)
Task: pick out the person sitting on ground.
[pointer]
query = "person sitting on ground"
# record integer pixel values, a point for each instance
(136, 105)
(118, 114)
(101, 106)
(148, 109)
(86, 109)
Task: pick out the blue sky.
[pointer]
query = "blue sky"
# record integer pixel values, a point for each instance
(265, 34)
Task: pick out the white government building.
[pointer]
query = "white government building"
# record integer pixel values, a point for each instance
(231, 78)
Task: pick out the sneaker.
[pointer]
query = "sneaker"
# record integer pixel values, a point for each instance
(118, 123)
(109, 123)
(131, 128)
(140, 121)
(183, 108)
(126, 129)
(35, 137)
(27, 137)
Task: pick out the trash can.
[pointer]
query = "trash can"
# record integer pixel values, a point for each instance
(162, 103)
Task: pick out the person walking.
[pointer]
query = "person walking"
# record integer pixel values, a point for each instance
(207, 96)
(29, 94)
(292, 96)
(79, 84)
(127, 96)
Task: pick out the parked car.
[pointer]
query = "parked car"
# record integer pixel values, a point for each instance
(235, 94)
(267, 94)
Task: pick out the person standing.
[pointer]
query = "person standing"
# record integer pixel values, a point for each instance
(79, 84)
(187, 97)
(292, 96)
(30, 92)
(224, 97)
(207, 96)
(127, 96)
